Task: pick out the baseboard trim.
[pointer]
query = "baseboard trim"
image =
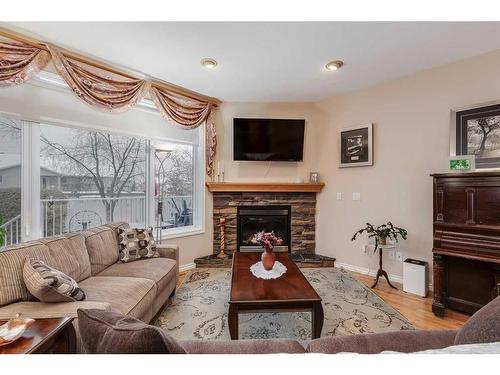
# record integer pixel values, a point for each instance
(187, 267)
(367, 271)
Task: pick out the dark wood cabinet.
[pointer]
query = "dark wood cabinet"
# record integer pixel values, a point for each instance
(466, 247)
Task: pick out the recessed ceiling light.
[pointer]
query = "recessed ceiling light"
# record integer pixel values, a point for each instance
(334, 65)
(208, 63)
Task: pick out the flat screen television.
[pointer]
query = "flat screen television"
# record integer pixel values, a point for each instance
(268, 139)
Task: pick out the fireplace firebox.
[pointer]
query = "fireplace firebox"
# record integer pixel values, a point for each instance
(253, 219)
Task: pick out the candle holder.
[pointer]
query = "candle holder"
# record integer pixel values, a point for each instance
(222, 223)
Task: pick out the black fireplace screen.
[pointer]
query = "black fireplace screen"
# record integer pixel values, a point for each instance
(252, 220)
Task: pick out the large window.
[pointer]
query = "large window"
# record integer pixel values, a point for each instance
(77, 168)
(90, 178)
(10, 180)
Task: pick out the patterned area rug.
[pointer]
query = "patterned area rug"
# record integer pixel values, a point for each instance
(199, 309)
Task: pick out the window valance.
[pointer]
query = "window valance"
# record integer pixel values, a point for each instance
(107, 91)
(19, 63)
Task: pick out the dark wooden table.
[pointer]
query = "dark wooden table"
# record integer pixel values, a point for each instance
(291, 292)
(54, 335)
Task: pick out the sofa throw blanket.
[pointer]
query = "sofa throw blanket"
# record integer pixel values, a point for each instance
(136, 243)
(50, 285)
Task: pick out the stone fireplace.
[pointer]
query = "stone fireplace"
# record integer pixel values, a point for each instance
(302, 217)
(287, 208)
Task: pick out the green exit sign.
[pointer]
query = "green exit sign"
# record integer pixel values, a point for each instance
(460, 164)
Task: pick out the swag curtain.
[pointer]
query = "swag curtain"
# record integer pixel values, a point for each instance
(96, 89)
(19, 62)
(188, 114)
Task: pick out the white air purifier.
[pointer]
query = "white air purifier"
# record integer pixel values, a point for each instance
(415, 277)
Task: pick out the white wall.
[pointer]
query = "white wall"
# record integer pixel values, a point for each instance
(271, 171)
(411, 119)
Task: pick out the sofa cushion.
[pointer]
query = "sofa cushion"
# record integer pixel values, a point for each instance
(129, 295)
(243, 346)
(117, 225)
(406, 341)
(136, 243)
(69, 255)
(102, 247)
(160, 270)
(50, 285)
(12, 287)
(482, 327)
(42, 310)
(107, 332)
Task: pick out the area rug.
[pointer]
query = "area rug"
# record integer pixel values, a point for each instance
(199, 309)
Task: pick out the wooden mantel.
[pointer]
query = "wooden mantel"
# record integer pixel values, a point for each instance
(265, 187)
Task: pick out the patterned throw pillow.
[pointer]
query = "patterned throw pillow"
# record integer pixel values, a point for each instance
(50, 285)
(136, 243)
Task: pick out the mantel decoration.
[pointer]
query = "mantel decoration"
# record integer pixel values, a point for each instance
(106, 88)
(380, 234)
(268, 240)
(14, 329)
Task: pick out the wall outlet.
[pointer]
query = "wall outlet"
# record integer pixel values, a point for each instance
(364, 249)
(399, 256)
(390, 254)
(356, 196)
(339, 196)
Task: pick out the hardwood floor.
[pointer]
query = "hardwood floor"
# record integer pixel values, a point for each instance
(416, 309)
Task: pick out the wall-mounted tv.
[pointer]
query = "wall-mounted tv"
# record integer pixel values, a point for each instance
(268, 139)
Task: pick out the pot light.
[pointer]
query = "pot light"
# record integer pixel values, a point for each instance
(208, 63)
(334, 65)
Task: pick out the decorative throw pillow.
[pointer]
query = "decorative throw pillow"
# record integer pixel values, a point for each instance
(136, 243)
(50, 285)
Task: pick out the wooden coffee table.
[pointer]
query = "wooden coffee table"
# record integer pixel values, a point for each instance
(54, 335)
(291, 292)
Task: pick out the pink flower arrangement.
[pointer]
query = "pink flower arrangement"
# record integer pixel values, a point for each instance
(266, 239)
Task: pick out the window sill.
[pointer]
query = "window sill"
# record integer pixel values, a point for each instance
(183, 232)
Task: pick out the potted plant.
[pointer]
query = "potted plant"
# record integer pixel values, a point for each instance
(382, 233)
(3, 232)
(268, 240)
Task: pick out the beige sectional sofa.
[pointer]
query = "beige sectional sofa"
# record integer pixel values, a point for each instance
(137, 289)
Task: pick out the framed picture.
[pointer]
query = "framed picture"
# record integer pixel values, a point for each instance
(356, 146)
(314, 177)
(478, 134)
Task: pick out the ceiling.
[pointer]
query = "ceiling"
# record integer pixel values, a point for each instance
(272, 61)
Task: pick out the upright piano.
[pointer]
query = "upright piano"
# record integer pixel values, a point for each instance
(466, 248)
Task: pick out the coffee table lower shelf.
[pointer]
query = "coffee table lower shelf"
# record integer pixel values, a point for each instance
(314, 307)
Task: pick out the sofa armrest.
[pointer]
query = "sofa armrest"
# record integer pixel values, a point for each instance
(41, 310)
(399, 341)
(242, 346)
(168, 251)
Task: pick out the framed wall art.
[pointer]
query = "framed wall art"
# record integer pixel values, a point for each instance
(478, 134)
(314, 177)
(356, 146)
